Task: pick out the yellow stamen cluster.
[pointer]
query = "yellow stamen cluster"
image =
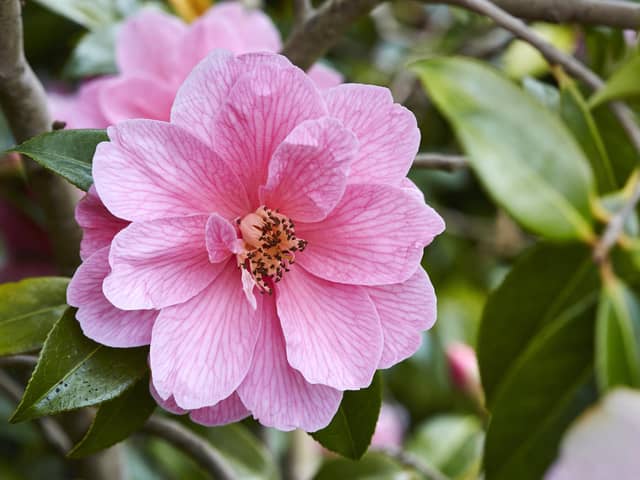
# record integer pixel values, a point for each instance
(270, 245)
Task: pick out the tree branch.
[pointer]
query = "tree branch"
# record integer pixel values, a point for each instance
(411, 461)
(19, 361)
(438, 161)
(302, 9)
(191, 444)
(53, 434)
(24, 103)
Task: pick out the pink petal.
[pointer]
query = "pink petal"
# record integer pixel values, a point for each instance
(277, 395)
(129, 97)
(201, 350)
(153, 169)
(387, 132)
(325, 76)
(159, 263)
(221, 239)
(98, 318)
(147, 42)
(254, 29)
(262, 108)
(168, 404)
(406, 310)
(410, 187)
(201, 97)
(375, 236)
(308, 172)
(229, 410)
(98, 225)
(82, 109)
(332, 331)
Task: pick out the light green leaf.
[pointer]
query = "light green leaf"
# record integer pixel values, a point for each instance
(28, 310)
(75, 372)
(523, 154)
(89, 14)
(535, 350)
(373, 466)
(66, 152)
(617, 337)
(623, 83)
(350, 431)
(117, 419)
(94, 54)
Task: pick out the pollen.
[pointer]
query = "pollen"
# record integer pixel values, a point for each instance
(270, 246)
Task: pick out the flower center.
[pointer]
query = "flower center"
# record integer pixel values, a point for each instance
(270, 245)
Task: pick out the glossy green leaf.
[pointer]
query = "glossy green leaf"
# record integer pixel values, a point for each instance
(623, 83)
(117, 419)
(618, 337)
(575, 112)
(94, 54)
(350, 431)
(536, 358)
(66, 152)
(372, 466)
(74, 372)
(523, 154)
(450, 443)
(28, 310)
(91, 14)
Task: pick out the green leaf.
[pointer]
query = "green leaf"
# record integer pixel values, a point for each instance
(523, 154)
(451, 443)
(372, 466)
(75, 372)
(28, 310)
(66, 152)
(617, 337)
(117, 419)
(576, 114)
(536, 358)
(91, 14)
(350, 431)
(94, 54)
(623, 83)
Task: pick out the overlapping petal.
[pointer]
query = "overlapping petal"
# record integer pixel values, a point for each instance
(201, 350)
(153, 170)
(98, 318)
(131, 96)
(332, 332)
(277, 395)
(309, 169)
(229, 410)
(375, 236)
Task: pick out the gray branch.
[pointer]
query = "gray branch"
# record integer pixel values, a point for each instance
(438, 161)
(24, 103)
(191, 444)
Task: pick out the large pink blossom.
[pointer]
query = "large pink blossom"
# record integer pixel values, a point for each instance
(155, 52)
(266, 243)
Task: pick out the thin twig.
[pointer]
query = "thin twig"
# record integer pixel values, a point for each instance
(24, 102)
(18, 361)
(302, 9)
(51, 431)
(191, 444)
(412, 461)
(439, 161)
(615, 227)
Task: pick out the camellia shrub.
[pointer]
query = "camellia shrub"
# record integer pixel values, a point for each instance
(215, 221)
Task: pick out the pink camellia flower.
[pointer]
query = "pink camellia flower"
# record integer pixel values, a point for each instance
(463, 367)
(267, 243)
(603, 443)
(155, 52)
(391, 427)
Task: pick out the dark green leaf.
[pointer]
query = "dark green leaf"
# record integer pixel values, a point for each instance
(617, 337)
(350, 431)
(75, 372)
(28, 310)
(623, 83)
(66, 152)
(117, 419)
(536, 358)
(372, 466)
(523, 154)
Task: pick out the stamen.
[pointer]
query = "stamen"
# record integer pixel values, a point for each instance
(270, 242)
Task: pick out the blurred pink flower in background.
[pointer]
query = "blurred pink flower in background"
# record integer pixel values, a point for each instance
(391, 427)
(603, 443)
(155, 51)
(304, 189)
(463, 367)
